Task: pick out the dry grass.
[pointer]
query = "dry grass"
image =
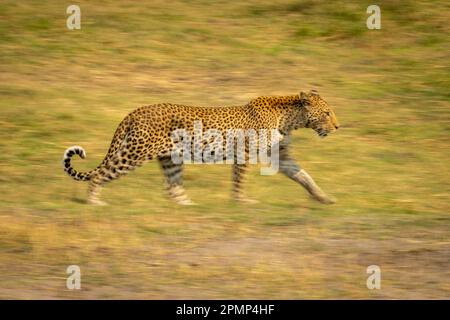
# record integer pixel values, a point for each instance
(388, 165)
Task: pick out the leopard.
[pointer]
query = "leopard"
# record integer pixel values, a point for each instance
(147, 134)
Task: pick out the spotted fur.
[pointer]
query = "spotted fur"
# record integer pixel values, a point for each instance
(145, 134)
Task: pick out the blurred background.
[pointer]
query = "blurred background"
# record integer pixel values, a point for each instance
(387, 165)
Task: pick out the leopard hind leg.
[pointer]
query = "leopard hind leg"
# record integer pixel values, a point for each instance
(174, 180)
(128, 157)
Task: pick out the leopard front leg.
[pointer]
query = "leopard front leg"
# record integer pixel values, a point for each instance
(239, 171)
(292, 170)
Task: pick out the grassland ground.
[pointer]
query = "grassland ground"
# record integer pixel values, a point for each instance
(387, 165)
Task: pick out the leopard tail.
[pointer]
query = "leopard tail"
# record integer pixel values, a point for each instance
(68, 154)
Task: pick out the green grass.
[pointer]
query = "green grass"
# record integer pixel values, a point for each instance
(387, 165)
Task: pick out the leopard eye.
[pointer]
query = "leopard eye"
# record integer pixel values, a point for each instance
(328, 113)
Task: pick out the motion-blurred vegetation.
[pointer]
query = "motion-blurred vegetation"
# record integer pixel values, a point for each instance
(387, 165)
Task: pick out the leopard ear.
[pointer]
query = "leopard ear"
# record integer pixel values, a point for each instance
(314, 92)
(304, 99)
(303, 96)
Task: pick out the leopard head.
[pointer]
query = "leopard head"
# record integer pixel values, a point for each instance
(317, 114)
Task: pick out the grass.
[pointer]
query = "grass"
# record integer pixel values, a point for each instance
(387, 165)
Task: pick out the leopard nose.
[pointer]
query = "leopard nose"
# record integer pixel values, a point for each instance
(336, 126)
